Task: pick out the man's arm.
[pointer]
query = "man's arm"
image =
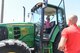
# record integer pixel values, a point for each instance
(62, 43)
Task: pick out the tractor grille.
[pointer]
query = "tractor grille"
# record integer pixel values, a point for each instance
(17, 32)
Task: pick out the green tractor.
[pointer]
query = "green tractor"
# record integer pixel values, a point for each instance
(30, 37)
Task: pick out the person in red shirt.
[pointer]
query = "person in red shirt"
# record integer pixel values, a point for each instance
(70, 37)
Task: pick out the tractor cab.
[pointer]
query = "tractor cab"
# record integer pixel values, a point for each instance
(56, 15)
(46, 41)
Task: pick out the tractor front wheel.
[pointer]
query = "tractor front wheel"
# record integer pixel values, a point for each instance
(7, 47)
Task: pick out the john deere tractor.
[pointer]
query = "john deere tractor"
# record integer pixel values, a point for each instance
(32, 37)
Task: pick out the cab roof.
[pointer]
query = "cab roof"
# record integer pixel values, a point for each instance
(49, 10)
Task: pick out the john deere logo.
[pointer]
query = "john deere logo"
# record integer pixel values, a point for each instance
(24, 31)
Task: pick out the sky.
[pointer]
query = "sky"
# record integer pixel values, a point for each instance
(13, 9)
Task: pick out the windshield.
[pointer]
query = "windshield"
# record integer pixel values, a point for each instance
(36, 16)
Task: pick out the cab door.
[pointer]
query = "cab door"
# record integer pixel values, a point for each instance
(61, 14)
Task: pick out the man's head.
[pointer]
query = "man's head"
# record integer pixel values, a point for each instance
(72, 19)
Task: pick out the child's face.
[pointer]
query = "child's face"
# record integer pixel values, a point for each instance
(48, 19)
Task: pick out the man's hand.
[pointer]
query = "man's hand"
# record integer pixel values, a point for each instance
(61, 45)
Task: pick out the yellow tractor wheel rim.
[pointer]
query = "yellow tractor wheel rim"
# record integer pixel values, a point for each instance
(11, 52)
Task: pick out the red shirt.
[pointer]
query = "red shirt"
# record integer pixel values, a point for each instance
(72, 33)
